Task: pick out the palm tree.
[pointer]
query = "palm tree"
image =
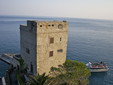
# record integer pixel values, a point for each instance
(38, 79)
(21, 71)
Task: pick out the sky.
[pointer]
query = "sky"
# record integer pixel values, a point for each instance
(93, 9)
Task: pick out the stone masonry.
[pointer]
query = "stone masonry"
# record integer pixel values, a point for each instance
(43, 44)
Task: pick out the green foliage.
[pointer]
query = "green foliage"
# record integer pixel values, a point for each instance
(22, 64)
(23, 69)
(38, 79)
(70, 73)
(19, 79)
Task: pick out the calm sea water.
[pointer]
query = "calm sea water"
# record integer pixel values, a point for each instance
(89, 40)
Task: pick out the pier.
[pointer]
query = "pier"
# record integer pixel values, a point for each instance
(9, 59)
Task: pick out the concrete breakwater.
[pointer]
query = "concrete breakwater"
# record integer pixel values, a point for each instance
(9, 58)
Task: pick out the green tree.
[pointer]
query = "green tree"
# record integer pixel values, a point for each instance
(23, 68)
(21, 72)
(70, 73)
(38, 79)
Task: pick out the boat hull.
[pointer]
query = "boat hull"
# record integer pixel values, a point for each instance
(98, 70)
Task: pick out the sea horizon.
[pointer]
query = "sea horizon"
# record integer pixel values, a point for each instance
(53, 17)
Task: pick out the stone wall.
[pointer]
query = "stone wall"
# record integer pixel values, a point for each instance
(28, 42)
(36, 37)
(44, 33)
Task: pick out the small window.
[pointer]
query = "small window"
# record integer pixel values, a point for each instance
(60, 26)
(31, 67)
(50, 53)
(60, 50)
(32, 26)
(27, 51)
(51, 40)
(40, 25)
(60, 39)
(52, 25)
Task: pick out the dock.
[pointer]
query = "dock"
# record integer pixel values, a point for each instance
(2, 81)
(9, 59)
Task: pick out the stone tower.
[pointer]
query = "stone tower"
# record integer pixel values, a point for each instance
(43, 44)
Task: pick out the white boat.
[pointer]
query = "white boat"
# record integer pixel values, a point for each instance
(97, 67)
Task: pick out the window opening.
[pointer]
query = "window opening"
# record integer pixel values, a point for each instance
(60, 50)
(50, 53)
(51, 40)
(27, 51)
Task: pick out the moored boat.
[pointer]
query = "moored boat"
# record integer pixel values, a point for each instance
(97, 67)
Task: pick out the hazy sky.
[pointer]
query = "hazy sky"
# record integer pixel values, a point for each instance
(97, 9)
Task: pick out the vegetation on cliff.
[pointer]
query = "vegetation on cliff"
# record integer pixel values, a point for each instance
(39, 79)
(70, 73)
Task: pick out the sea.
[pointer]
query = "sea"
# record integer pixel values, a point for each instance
(89, 40)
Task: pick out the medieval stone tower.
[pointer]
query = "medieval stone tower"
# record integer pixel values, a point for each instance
(43, 44)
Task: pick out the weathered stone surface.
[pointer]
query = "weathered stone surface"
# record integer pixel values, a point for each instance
(36, 46)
